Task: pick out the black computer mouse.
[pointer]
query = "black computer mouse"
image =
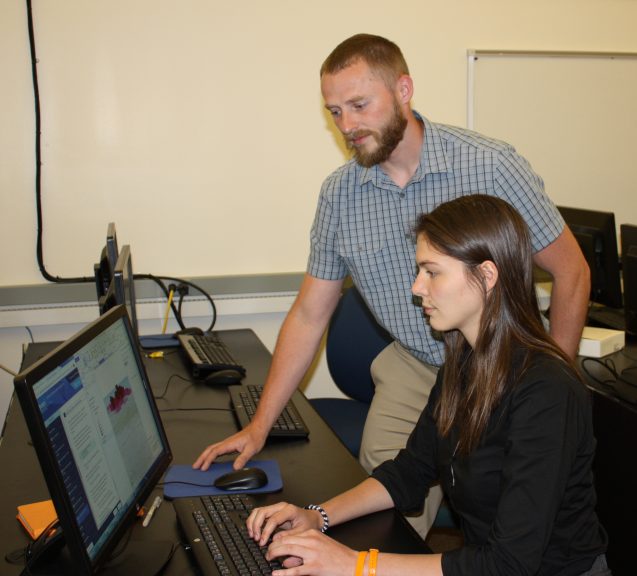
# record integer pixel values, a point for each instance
(244, 479)
(221, 377)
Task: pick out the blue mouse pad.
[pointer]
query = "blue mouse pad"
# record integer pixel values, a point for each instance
(153, 341)
(177, 475)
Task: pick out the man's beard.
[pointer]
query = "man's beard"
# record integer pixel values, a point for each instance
(387, 139)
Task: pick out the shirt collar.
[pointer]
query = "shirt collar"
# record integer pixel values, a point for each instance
(433, 159)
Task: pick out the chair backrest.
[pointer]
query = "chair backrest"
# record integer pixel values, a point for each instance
(354, 339)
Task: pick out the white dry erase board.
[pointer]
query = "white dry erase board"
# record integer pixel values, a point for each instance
(573, 115)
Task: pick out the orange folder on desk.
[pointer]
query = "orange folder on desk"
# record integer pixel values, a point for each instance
(36, 517)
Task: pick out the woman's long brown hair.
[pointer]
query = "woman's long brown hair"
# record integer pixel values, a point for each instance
(474, 229)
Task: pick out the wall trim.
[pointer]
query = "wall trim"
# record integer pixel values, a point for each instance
(59, 304)
(33, 295)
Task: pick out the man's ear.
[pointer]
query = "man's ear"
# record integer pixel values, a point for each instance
(405, 88)
(490, 274)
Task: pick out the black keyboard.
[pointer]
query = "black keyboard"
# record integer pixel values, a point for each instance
(208, 353)
(215, 529)
(245, 400)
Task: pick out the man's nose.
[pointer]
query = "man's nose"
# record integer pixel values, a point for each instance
(346, 123)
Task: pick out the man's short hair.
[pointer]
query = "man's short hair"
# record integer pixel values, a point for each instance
(382, 56)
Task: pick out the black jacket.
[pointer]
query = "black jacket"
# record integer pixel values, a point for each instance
(525, 495)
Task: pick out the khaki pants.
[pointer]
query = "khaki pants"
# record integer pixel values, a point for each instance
(402, 384)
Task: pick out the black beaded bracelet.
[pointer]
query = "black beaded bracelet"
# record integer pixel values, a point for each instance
(323, 513)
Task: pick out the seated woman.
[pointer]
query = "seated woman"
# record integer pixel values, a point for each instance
(507, 430)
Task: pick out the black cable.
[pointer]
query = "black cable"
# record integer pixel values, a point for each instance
(607, 364)
(121, 546)
(196, 409)
(38, 197)
(174, 547)
(618, 385)
(38, 159)
(177, 310)
(30, 333)
(629, 356)
(184, 482)
(163, 394)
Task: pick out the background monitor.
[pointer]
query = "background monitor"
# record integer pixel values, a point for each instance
(628, 236)
(103, 270)
(97, 434)
(596, 234)
(122, 288)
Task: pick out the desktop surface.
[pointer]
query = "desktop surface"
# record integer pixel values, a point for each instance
(313, 469)
(615, 466)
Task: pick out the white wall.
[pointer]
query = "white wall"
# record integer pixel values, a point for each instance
(152, 108)
(204, 118)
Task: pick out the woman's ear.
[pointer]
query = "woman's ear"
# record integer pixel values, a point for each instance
(489, 272)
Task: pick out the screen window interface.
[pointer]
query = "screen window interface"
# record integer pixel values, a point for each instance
(102, 431)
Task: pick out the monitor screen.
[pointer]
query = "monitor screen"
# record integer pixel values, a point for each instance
(597, 237)
(628, 235)
(122, 288)
(108, 258)
(97, 434)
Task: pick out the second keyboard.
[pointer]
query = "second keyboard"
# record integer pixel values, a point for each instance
(245, 400)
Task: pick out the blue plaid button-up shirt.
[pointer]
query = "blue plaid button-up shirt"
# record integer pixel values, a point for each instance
(364, 222)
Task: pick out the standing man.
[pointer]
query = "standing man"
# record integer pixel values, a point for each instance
(402, 165)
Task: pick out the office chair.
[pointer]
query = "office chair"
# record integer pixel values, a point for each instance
(354, 339)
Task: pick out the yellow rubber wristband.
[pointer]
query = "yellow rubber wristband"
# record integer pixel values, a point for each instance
(360, 563)
(373, 557)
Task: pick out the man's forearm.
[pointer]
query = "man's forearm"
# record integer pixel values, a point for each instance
(296, 347)
(569, 305)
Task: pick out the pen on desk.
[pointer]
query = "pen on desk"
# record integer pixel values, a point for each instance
(151, 511)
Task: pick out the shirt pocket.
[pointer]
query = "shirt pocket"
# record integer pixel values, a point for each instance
(360, 240)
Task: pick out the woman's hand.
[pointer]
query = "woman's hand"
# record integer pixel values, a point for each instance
(262, 522)
(310, 553)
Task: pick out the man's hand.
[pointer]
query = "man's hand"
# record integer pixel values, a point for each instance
(246, 442)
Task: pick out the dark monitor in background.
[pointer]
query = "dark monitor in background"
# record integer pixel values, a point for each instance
(98, 437)
(122, 288)
(103, 270)
(628, 238)
(596, 234)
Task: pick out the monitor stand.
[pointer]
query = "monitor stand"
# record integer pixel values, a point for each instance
(140, 557)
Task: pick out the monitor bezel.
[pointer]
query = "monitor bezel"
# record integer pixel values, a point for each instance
(24, 383)
(111, 243)
(599, 224)
(628, 239)
(124, 286)
(109, 255)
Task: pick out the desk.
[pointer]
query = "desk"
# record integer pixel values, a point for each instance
(313, 470)
(615, 466)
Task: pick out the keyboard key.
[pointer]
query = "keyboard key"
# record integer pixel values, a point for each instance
(245, 400)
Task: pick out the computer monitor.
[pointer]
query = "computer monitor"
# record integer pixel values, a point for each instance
(122, 288)
(103, 270)
(628, 238)
(597, 237)
(97, 434)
